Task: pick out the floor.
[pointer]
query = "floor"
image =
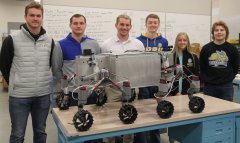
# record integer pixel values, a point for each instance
(5, 124)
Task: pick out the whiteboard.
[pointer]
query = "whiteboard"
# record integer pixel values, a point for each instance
(101, 23)
(196, 26)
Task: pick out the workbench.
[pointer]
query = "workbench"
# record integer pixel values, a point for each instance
(219, 122)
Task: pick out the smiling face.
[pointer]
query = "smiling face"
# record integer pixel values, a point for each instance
(152, 25)
(123, 26)
(34, 18)
(182, 42)
(219, 33)
(78, 25)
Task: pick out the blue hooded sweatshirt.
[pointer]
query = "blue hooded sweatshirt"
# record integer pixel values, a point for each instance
(153, 45)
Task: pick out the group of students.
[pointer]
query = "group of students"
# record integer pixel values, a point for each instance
(28, 56)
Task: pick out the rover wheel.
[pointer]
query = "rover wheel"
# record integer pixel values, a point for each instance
(83, 120)
(196, 104)
(101, 96)
(165, 109)
(63, 104)
(128, 114)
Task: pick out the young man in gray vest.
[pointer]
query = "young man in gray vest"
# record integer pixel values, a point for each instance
(25, 65)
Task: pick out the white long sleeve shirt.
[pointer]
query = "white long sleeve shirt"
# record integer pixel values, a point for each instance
(115, 46)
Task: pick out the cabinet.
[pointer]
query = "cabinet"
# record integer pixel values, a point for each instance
(220, 139)
(219, 131)
(211, 131)
(237, 134)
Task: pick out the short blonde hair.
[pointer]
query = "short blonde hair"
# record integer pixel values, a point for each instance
(123, 16)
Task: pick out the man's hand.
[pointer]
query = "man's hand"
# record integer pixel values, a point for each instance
(178, 94)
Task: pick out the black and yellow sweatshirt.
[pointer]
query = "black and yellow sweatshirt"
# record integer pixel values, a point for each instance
(218, 63)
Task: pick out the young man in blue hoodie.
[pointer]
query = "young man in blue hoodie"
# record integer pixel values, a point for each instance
(66, 51)
(153, 42)
(68, 48)
(152, 39)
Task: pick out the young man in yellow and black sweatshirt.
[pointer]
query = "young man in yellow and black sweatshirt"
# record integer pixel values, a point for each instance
(219, 62)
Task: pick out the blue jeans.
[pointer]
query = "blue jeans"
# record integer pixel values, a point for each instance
(222, 91)
(148, 136)
(20, 108)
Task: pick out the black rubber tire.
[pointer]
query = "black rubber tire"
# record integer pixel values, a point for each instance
(128, 114)
(82, 120)
(101, 98)
(61, 104)
(165, 109)
(196, 104)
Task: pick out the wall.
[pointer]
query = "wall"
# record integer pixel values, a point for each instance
(193, 7)
(229, 8)
(228, 11)
(13, 11)
(177, 6)
(101, 21)
(10, 11)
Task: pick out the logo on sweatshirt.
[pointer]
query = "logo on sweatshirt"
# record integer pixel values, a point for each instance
(218, 59)
(152, 49)
(190, 63)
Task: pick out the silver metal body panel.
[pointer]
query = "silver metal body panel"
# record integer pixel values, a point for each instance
(170, 62)
(170, 58)
(141, 69)
(84, 67)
